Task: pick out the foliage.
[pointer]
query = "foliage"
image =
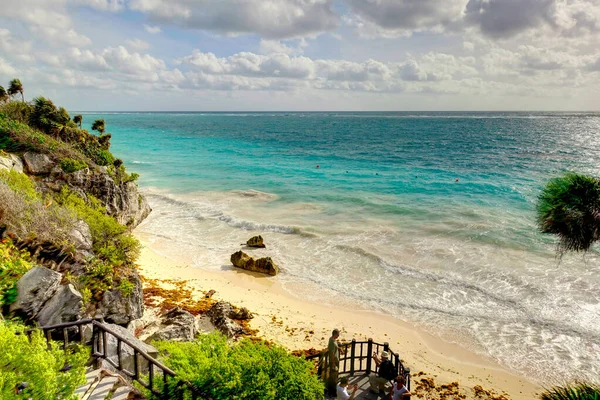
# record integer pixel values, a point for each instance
(16, 110)
(97, 278)
(27, 214)
(30, 361)
(3, 94)
(69, 165)
(243, 370)
(47, 117)
(576, 391)
(13, 265)
(126, 287)
(78, 119)
(15, 87)
(98, 125)
(111, 240)
(20, 183)
(569, 207)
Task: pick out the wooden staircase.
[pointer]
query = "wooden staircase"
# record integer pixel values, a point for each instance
(104, 385)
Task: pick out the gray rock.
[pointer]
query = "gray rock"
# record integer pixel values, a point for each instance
(34, 289)
(38, 164)
(11, 162)
(120, 309)
(221, 315)
(263, 265)
(65, 306)
(127, 358)
(123, 201)
(176, 325)
(204, 324)
(81, 236)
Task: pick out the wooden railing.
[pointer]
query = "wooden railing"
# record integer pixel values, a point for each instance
(172, 387)
(356, 357)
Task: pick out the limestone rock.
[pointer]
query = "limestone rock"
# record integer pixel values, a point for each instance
(37, 163)
(126, 351)
(176, 325)
(34, 289)
(11, 162)
(263, 265)
(120, 309)
(204, 324)
(81, 236)
(65, 306)
(222, 316)
(256, 241)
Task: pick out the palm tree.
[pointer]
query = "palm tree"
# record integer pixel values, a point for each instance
(577, 391)
(569, 207)
(3, 95)
(15, 87)
(78, 119)
(98, 125)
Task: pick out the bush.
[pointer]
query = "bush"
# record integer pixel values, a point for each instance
(14, 263)
(69, 165)
(26, 214)
(243, 370)
(17, 110)
(22, 360)
(576, 391)
(46, 117)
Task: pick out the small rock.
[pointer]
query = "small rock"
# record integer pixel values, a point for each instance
(176, 325)
(81, 236)
(11, 162)
(38, 164)
(219, 315)
(263, 265)
(256, 241)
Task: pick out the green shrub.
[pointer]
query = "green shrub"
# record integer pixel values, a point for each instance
(576, 391)
(20, 183)
(126, 287)
(46, 117)
(17, 110)
(14, 263)
(243, 370)
(69, 165)
(22, 360)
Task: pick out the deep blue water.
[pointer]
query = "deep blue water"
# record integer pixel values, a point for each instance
(385, 203)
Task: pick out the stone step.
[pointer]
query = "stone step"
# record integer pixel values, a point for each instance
(91, 377)
(104, 388)
(122, 393)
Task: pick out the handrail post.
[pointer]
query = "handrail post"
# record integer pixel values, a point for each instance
(369, 354)
(407, 377)
(352, 355)
(49, 339)
(386, 346)
(119, 357)
(136, 365)
(397, 363)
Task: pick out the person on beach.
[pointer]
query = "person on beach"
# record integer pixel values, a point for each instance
(342, 390)
(399, 390)
(333, 352)
(386, 371)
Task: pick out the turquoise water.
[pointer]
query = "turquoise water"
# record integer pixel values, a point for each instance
(383, 223)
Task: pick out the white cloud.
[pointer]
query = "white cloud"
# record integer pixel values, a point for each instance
(152, 29)
(6, 69)
(137, 44)
(277, 47)
(104, 5)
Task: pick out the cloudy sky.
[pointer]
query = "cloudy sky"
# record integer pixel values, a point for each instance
(305, 54)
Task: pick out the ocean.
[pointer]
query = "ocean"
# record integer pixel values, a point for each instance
(429, 217)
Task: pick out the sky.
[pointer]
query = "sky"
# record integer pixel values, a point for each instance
(304, 55)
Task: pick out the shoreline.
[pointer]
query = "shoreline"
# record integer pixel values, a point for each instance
(300, 324)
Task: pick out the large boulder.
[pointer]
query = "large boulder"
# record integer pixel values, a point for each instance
(122, 200)
(11, 162)
(34, 289)
(120, 308)
(263, 265)
(256, 241)
(65, 306)
(37, 163)
(127, 358)
(176, 325)
(222, 316)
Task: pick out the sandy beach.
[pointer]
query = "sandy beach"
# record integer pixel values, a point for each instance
(298, 324)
